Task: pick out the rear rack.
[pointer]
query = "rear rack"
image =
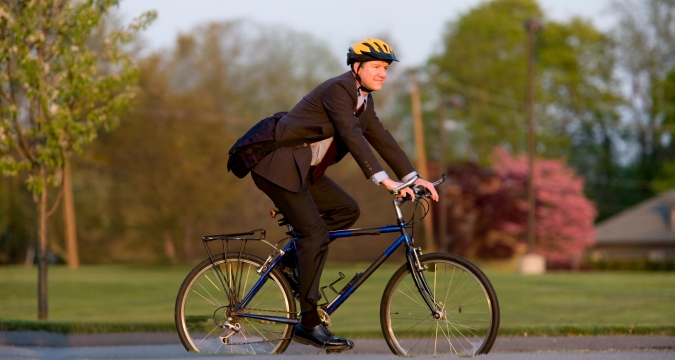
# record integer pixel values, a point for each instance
(243, 238)
(236, 236)
(225, 239)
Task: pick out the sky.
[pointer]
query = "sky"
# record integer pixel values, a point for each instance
(415, 27)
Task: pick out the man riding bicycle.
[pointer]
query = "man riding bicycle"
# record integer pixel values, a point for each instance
(336, 118)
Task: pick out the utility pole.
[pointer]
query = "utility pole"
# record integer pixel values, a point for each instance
(532, 263)
(455, 101)
(429, 244)
(442, 202)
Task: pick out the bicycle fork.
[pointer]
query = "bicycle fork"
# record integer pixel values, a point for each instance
(416, 270)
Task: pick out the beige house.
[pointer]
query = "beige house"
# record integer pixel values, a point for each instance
(644, 231)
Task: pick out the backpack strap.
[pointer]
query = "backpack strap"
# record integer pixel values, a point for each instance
(273, 145)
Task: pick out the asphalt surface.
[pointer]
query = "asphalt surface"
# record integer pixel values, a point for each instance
(42, 345)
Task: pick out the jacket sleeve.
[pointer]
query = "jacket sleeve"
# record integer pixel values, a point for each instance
(339, 107)
(385, 145)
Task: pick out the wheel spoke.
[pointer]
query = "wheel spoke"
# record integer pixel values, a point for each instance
(452, 276)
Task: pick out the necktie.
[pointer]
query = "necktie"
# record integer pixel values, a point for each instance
(329, 158)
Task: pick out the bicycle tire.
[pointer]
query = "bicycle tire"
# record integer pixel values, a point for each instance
(471, 321)
(204, 302)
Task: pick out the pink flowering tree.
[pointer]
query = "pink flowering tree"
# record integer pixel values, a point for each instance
(487, 215)
(564, 215)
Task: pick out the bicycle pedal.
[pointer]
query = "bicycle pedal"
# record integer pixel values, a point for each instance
(329, 351)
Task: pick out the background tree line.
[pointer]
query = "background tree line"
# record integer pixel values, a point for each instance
(146, 191)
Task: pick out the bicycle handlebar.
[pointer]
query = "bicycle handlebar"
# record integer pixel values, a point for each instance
(419, 191)
(404, 185)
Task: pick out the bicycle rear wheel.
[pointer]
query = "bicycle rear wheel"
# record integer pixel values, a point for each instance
(469, 317)
(204, 305)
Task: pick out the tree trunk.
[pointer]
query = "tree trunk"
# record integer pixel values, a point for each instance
(42, 235)
(69, 218)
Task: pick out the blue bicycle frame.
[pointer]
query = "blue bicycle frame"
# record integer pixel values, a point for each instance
(412, 255)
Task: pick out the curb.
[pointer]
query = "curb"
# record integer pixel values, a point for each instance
(504, 344)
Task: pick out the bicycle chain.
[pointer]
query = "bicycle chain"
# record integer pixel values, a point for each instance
(260, 342)
(266, 310)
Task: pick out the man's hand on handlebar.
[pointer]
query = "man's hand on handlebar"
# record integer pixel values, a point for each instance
(407, 191)
(429, 186)
(391, 185)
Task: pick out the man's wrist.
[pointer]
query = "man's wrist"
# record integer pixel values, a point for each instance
(410, 176)
(379, 177)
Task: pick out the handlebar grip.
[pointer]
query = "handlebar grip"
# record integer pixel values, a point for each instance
(422, 191)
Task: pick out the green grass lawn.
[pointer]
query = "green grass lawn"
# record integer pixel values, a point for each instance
(114, 298)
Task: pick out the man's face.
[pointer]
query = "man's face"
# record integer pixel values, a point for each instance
(373, 74)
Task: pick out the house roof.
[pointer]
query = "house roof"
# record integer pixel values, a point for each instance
(646, 222)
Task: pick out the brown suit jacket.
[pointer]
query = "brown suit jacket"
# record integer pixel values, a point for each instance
(328, 111)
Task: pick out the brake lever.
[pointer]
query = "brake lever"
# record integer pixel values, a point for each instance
(421, 191)
(439, 181)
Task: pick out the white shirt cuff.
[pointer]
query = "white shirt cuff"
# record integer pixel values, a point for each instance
(379, 176)
(409, 176)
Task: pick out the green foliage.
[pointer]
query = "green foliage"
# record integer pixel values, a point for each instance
(484, 59)
(665, 177)
(16, 220)
(55, 91)
(632, 265)
(645, 39)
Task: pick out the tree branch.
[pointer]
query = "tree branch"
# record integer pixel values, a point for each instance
(56, 202)
(15, 120)
(19, 132)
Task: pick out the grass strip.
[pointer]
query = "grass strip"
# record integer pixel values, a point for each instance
(587, 330)
(564, 330)
(85, 327)
(520, 331)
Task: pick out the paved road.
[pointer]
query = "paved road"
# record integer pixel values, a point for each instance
(177, 352)
(39, 345)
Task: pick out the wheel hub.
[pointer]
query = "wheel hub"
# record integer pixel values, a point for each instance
(441, 314)
(224, 318)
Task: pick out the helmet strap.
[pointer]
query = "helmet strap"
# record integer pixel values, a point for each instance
(358, 79)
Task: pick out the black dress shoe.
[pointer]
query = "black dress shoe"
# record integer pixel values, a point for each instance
(320, 337)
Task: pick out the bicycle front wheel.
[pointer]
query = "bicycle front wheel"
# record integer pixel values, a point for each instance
(206, 300)
(469, 310)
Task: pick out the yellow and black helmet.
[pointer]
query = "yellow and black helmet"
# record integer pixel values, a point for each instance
(369, 50)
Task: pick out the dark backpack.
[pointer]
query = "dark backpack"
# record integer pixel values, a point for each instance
(255, 144)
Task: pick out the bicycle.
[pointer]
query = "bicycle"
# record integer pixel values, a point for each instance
(434, 304)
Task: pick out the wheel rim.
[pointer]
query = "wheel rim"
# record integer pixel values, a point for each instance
(206, 309)
(466, 319)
